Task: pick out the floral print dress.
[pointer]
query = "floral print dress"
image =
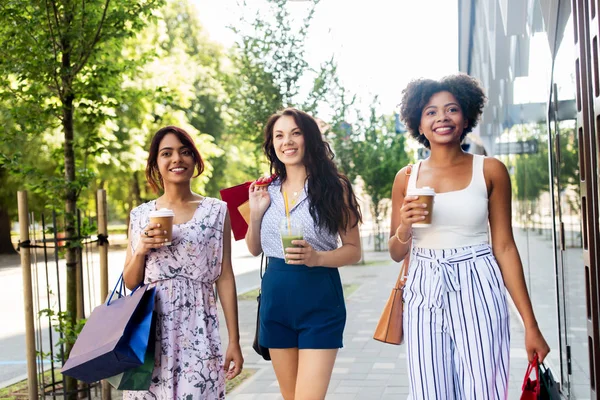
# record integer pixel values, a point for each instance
(188, 356)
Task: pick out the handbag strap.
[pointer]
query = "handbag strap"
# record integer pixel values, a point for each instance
(546, 375)
(402, 276)
(533, 365)
(262, 262)
(119, 289)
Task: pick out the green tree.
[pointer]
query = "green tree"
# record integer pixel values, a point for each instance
(16, 160)
(178, 82)
(374, 151)
(530, 172)
(270, 66)
(530, 176)
(61, 51)
(568, 165)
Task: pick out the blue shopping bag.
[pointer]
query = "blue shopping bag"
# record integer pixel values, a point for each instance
(115, 337)
(138, 378)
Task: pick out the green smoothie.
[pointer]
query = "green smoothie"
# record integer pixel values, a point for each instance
(286, 240)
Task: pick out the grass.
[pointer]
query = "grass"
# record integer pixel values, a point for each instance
(19, 390)
(251, 295)
(235, 382)
(348, 288)
(15, 391)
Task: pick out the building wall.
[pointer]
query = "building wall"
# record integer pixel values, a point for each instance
(523, 53)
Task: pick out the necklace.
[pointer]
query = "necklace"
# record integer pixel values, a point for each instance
(294, 198)
(292, 194)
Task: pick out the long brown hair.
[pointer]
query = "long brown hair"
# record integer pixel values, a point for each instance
(152, 174)
(332, 200)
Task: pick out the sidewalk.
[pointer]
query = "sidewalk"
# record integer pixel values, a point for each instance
(365, 369)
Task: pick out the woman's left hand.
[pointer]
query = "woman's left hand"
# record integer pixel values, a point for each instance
(535, 344)
(304, 255)
(234, 361)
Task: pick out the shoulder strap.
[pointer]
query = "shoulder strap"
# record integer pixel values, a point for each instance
(478, 174)
(411, 180)
(262, 263)
(403, 271)
(407, 174)
(402, 276)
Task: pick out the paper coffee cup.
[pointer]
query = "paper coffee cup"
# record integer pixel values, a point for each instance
(164, 217)
(426, 195)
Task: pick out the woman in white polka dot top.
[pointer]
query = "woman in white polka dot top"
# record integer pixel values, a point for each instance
(302, 313)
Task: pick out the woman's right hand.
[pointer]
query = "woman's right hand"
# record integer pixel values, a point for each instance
(411, 212)
(259, 200)
(148, 241)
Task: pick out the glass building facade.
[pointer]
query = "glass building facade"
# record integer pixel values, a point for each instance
(538, 61)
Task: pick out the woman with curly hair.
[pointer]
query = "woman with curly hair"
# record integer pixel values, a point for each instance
(456, 319)
(302, 312)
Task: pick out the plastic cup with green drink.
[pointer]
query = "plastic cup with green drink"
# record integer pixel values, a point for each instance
(290, 229)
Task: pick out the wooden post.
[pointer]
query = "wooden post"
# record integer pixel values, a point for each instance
(103, 230)
(32, 382)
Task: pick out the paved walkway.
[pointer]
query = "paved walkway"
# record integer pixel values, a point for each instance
(365, 369)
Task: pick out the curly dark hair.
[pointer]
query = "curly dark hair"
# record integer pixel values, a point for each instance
(332, 200)
(416, 95)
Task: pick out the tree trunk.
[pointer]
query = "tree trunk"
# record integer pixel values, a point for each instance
(70, 196)
(6, 246)
(376, 226)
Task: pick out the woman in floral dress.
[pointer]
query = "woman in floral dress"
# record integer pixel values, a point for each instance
(189, 362)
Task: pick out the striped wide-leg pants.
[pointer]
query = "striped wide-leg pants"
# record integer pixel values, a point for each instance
(456, 325)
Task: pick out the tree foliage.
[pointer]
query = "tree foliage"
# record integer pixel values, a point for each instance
(59, 59)
(374, 150)
(530, 175)
(178, 82)
(568, 166)
(270, 65)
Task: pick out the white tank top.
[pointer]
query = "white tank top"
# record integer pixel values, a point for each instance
(460, 217)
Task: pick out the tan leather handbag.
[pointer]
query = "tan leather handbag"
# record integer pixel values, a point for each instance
(389, 328)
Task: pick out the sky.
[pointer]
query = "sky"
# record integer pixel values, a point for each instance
(379, 45)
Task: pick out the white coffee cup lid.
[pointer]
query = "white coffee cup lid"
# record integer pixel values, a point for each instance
(163, 212)
(424, 191)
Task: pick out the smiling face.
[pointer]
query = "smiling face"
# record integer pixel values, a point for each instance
(288, 141)
(175, 161)
(442, 119)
